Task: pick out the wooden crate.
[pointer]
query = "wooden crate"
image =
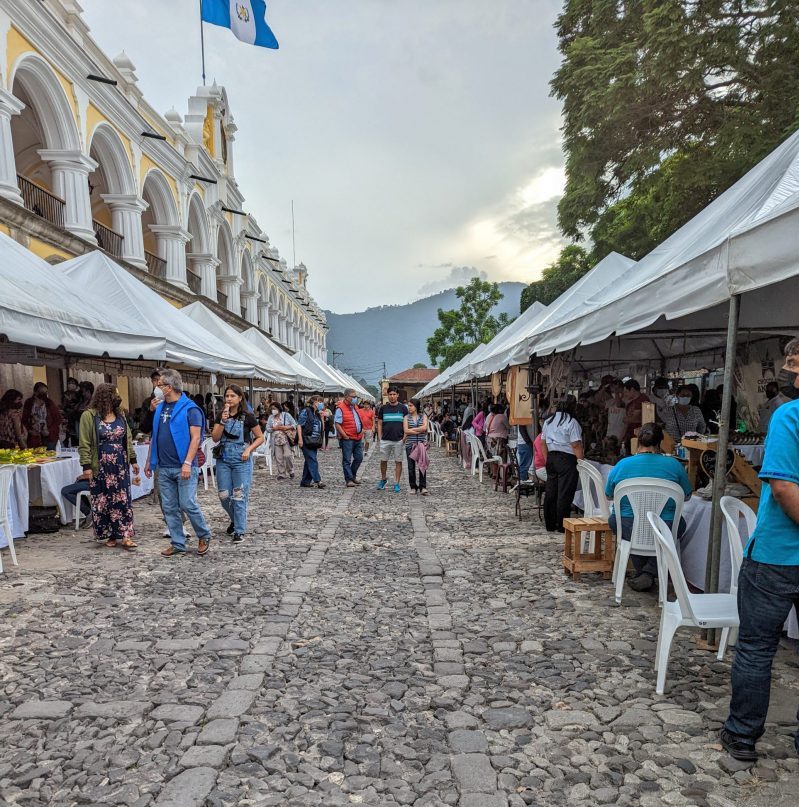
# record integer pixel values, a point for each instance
(575, 562)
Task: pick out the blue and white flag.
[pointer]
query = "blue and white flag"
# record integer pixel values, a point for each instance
(246, 18)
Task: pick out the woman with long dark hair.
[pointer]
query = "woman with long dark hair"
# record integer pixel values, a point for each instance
(238, 434)
(106, 454)
(12, 432)
(562, 445)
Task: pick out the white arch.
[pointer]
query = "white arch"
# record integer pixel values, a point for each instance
(225, 251)
(48, 100)
(246, 273)
(113, 159)
(197, 225)
(158, 193)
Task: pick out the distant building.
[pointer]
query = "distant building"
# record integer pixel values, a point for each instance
(410, 381)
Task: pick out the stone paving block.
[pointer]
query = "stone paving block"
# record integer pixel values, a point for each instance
(175, 645)
(463, 741)
(250, 681)
(440, 621)
(177, 713)
(268, 646)
(453, 681)
(460, 720)
(120, 710)
(448, 668)
(474, 773)
(448, 654)
(125, 647)
(275, 629)
(483, 800)
(42, 710)
(255, 664)
(233, 703)
(198, 756)
(509, 717)
(219, 732)
(560, 718)
(215, 645)
(188, 789)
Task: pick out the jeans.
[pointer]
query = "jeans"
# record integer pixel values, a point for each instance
(524, 454)
(233, 479)
(641, 563)
(766, 594)
(351, 458)
(422, 483)
(180, 496)
(310, 470)
(70, 493)
(562, 479)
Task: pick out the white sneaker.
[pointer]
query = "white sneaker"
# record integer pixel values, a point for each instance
(165, 533)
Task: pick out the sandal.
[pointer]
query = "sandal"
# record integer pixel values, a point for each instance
(129, 545)
(111, 543)
(424, 492)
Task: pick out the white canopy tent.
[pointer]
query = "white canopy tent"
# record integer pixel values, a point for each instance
(264, 366)
(186, 342)
(332, 382)
(289, 366)
(42, 308)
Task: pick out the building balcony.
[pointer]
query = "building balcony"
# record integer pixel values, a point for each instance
(108, 239)
(155, 266)
(194, 281)
(221, 298)
(41, 202)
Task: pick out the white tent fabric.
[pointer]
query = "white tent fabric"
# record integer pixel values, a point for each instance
(40, 307)
(745, 240)
(287, 364)
(265, 367)
(332, 382)
(186, 341)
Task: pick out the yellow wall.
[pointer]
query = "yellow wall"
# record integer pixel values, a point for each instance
(39, 374)
(103, 215)
(4, 229)
(93, 117)
(146, 165)
(45, 250)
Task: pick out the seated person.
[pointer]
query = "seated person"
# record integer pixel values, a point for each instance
(448, 427)
(648, 462)
(683, 417)
(70, 493)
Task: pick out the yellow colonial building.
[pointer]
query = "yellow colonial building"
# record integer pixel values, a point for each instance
(86, 163)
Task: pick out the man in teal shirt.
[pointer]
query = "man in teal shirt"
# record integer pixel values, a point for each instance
(768, 585)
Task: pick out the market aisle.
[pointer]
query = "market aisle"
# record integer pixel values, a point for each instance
(362, 648)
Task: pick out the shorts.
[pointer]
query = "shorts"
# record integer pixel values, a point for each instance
(392, 449)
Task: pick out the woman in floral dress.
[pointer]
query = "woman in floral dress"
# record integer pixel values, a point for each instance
(106, 452)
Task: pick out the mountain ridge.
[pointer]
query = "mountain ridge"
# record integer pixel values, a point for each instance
(397, 334)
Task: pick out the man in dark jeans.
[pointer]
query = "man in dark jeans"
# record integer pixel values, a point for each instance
(768, 585)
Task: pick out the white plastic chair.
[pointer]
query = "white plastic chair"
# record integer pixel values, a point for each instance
(595, 503)
(645, 494)
(208, 468)
(689, 610)
(479, 456)
(733, 510)
(6, 477)
(83, 494)
(264, 450)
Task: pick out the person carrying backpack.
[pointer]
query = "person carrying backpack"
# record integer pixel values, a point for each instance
(310, 438)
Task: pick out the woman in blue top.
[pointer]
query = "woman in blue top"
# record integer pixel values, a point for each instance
(648, 462)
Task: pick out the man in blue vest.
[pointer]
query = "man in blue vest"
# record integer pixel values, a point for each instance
(178, 426)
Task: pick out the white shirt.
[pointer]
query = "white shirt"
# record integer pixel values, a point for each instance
(560, 432)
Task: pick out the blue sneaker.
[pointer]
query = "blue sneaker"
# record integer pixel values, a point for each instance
(381, 484)
(397, 488)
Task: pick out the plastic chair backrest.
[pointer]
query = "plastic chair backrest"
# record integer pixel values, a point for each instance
(733, 509)
(647, 494)
(6, 477)
(595, 503)
(668, 555)
(208, 445)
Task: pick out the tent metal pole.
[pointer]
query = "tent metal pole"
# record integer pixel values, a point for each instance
(720, 474)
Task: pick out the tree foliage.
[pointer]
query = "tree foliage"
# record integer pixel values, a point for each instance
(572, 263)
(461, 331)
(420, 365)
(666, 104)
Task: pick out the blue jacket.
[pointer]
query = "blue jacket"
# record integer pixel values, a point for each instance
(178, 426)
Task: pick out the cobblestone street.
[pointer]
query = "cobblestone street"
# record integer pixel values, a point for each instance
(361, 647)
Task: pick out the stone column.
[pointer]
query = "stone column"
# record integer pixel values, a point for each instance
(171, 240)
(204, 265)
(229, 285)
(263, 317)
(250, 312)
(126, 210)
(9, 106)
(70, 170)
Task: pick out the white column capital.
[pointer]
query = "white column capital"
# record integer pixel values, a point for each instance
(69, 159)
(249, 295)
(130, 202)
(230, 280)
(171, 232)
(10, 104)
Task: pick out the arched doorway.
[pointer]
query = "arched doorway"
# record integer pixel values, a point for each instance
(164, 238)
(200, 262)
(248, 300)
(227, 277)
(263, 304)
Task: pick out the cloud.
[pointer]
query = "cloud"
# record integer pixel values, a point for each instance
(458, 276)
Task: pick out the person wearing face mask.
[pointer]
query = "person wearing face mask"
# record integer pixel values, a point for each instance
(768, 583)
(349, 430)
(368, 420)
(684, 416)
(12, 433)
(774, 399)
(310, 438)
(662, 398)
(70, 403)
(150, 403)
(42, 418)
(282, 427)
(106, 455)
(633, 399)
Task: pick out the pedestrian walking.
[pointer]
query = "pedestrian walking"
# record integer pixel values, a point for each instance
(350, 436)
(105, 449)
(415, 437)
(238, 434)
(368, 420)
(283, 428)
(42, 418)
(310, 437)
(768, 584)
(330, 426)
(391, 434)
(178, 428)
(562, 445)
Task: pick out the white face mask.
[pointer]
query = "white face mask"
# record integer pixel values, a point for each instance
(275, 413)
(158, 393)
(683, 401)
(659, 393)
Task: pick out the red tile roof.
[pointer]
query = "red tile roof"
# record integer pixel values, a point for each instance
(415, 375)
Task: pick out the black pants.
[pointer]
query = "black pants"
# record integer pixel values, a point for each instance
(413, 473)
(562, 479)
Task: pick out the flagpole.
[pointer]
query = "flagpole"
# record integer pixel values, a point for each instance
(202, 39)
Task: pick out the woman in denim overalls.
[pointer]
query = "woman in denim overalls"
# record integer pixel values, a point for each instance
(233, 466)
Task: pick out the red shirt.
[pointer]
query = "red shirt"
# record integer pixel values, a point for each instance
(367, 418)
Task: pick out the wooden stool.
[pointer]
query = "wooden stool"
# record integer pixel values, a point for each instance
(450, 447)
(575, 562)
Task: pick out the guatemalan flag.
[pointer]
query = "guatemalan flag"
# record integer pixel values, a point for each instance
(246, 18)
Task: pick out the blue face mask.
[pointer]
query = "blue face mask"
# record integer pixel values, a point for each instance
(320, 407)
(355, 400)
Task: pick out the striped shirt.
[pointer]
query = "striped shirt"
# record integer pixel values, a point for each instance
(414, 423)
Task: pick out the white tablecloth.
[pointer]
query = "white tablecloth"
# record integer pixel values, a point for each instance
(752, 453)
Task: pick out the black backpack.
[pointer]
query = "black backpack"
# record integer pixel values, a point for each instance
(308, 439)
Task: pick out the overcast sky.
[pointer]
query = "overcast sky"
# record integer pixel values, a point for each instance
(416, 138)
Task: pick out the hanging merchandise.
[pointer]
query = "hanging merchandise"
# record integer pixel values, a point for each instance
(518, 396)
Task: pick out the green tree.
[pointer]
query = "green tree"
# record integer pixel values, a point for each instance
(420, 365)
(666, 104)
(572, 263)
(461, 331)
